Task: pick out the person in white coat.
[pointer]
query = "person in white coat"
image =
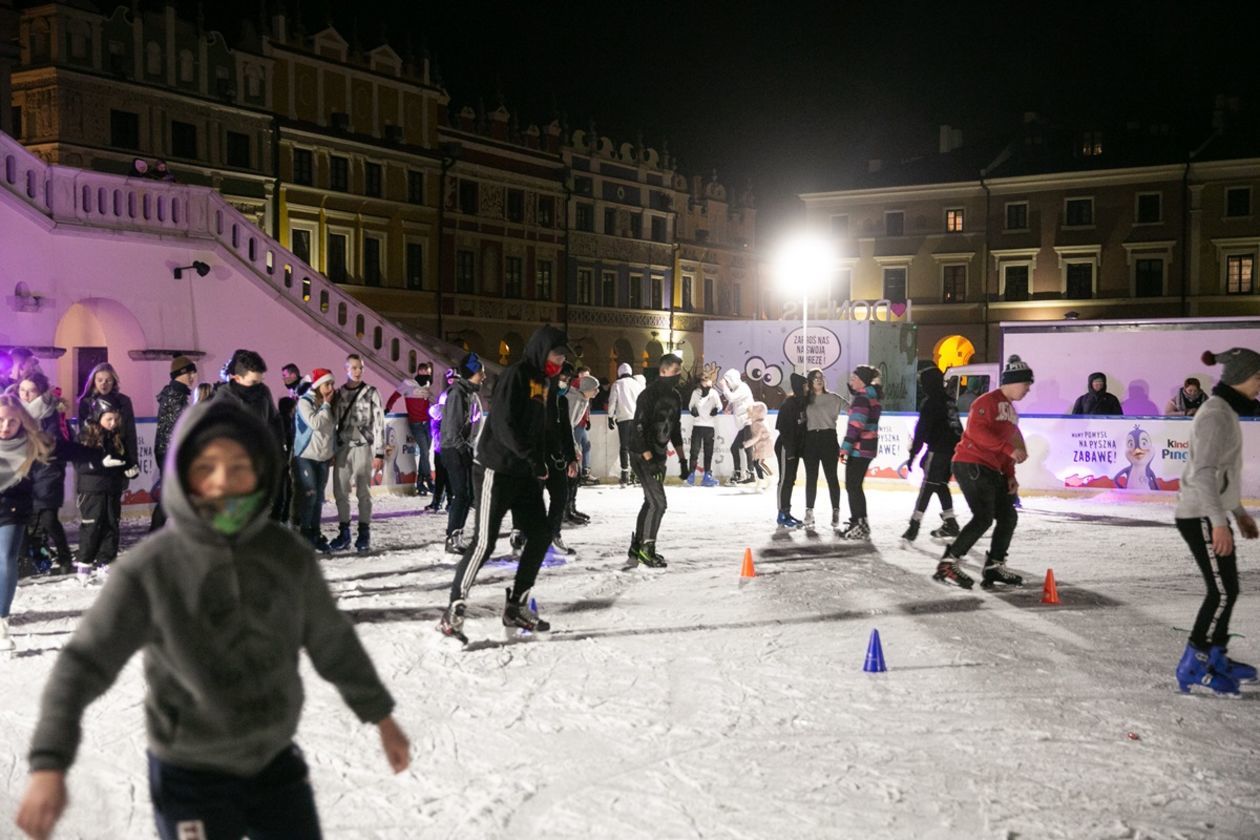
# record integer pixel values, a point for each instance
(623, 398)
(738, 398)
(705, 406)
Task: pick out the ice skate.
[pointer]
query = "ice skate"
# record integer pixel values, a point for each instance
(452, 623)
(455, 543)
(517, 541)
(787, 520)
(948, 571)
(342, 541)
(747, 478)
(587, 479)
(858, 529)
(632, 554)
(363, 543)
(7, 645)
(995, 572)
(690, 480)
(575, 517)
(1195, 669)
(624, 481)
(948, 530)
(912, 531)
(559, 547)
(809, 519)
(648, 557)
(1239, 672)
(835, 518)
(519, 618)
(736, 479)
(710, 480)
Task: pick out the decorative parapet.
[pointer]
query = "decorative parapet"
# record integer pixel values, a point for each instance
(609, 317)
(596, 246)
(500, 309)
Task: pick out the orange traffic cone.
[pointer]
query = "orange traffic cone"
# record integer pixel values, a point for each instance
(1050, 593)
(747, 571)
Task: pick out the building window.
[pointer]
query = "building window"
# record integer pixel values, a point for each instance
(585, 287)
(515, 206)
(339, 174)
(1091, 144)
(415, 187)
(895, 284)
(636, 225)
(656, 292)
(658, 229)
(303, 167)
(1150, 208)
(338, 250)
(465, 272)
(1017, 215)
(468, 197)
(608, 288)
(372, 179)
(371, 260)
(636, 291)
(894, 223)
(1240, 274)
(542, 282)
(546, 211)
(300, 244)
(1148, 277)
(954, 283)
(840, 225)
(582, 185)
(1237, 201)
(585, 218)
(183, 140)
(415, 266)
(238, 150)
(610, 221)
(1080, 280)
(124, 129)
(1015, 282)
(954, 220)
(735, 300)
(686, 294)
(513, 277)
(1078, 212)
(709, 298)
(17, 122)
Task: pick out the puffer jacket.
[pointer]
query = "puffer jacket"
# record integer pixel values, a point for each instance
(623, 396)
(861, 435)
(738, 396)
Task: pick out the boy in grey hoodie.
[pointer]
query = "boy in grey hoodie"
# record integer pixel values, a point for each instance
(222, 600)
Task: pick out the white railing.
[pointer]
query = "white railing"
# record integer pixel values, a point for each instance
(74, 196)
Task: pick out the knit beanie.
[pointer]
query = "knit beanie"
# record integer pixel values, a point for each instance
(469, 365)
(1240, 364)
(1016, 370)
(321, 375)
(181, 365)
(868, 374)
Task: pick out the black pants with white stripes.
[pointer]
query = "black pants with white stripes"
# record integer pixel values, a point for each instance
(937, 468)
(651, 477)
(1198, 535)
(787, 477)
(497, 494)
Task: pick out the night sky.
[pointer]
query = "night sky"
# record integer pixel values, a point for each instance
(788, 95)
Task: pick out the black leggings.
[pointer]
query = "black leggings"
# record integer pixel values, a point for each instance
(1198, 535)
(740, 445)
(787, 477)
(854, 474)
(822, 447)
(701, 436)
(558, 497)
(936, 473)
(625, 429)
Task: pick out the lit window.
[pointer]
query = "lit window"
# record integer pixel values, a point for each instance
(1240, 274)
(954, 220)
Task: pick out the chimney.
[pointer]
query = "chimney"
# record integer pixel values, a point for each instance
(499, 118)
(553, 137)
(467, 119)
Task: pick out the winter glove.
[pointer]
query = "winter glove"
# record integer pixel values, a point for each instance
(132, 472)
(682, 471)
(656, 469)
(111, 461)
(713, 412)
(695, 412)
(612, 424)
(908, 466)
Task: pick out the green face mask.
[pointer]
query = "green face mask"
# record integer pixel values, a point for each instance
(228, 516)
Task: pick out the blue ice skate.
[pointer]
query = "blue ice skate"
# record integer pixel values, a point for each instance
(691, 478)
(1239, 672)
(787, 520)
(710, 480)
(1195, 668)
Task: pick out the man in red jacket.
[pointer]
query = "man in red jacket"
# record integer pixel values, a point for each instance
(417, 393)
(984, 465)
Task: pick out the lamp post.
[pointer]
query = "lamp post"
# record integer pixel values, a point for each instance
(803, 264)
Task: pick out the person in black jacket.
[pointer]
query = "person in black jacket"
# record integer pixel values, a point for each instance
(562, 455)
(1097, 400)
(940, 430)
(789, 447)
(245, 388)
(103, 382)
(655, 427)
(510, 466)
(99, 487)
(172, 401)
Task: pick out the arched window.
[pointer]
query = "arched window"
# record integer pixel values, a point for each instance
(186, 70)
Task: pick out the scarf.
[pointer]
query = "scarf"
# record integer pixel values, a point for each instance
(15, 460)
(1242, 406)
(229, 516)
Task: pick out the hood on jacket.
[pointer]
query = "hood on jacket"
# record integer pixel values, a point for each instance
(1089, 386)
(757, 411)
(640, 378)
(798, 384)
(732, 379)
(932, 381)
(237, 424)
(542, 342)
(588, 386)
(624, 369)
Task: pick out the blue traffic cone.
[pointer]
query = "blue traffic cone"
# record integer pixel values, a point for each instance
(533, 606)
(874, 656)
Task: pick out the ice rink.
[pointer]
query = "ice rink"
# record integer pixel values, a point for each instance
(684, 704)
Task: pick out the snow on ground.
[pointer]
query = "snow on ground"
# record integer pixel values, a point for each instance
(683, 704)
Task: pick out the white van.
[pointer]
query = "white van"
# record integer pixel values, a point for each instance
(966, 382)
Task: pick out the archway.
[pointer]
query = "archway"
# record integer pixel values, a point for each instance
(952, 350)
(515, 346)
(99, 329)
(654, 350)
(623, 354)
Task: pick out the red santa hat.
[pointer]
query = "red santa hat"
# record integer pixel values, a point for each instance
(319, 376)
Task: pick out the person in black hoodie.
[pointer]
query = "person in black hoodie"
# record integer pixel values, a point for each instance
(655, 427)
(172, 400)
(510, 466)
(940, 430)
(245, 388)
(789, 447)
(1097, 399)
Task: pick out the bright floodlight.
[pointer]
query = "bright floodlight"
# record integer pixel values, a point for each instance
(804, 262)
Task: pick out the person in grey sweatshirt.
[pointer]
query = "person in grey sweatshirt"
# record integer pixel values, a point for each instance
(1211, 489)
(222, 601)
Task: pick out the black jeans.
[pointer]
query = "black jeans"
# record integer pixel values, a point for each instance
(1198, 535)
(854, 474)
(497, 494)
(625, 428)
(936, 473)
(99, 514)
(989, 496)
(559, 496)
(158, 518)
(442, 481)
(47, 521)
(822, 447)
(787, 477)
(651, 476)
(455, 467)
(701, 436)
(276, 803)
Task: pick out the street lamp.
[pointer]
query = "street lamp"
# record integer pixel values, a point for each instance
(803, 265)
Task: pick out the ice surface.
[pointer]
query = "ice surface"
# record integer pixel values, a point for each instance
(683, 704)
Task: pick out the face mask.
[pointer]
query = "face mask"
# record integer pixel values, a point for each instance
(423, 380)
(551, 369)
(704, 390)
(228, 516)
(562, 388)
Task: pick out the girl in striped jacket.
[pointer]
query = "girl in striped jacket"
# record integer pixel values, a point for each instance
(861, 444)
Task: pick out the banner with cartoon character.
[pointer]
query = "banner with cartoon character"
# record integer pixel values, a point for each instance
(1146, 454)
